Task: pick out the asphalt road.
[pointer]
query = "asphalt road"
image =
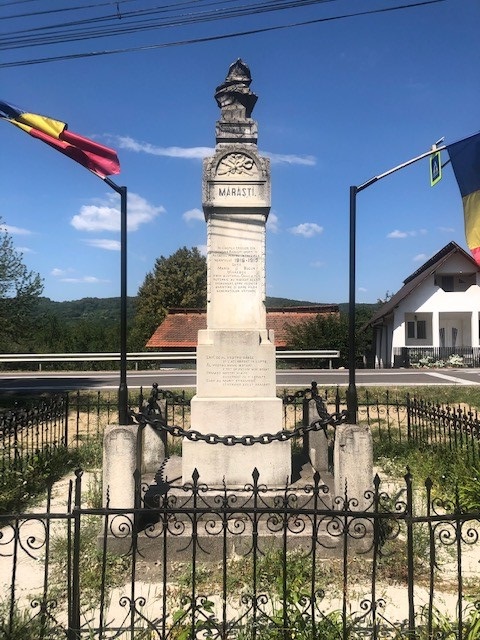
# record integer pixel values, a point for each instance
(175, 378)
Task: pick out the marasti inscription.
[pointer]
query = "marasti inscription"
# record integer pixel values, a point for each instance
(235, 191)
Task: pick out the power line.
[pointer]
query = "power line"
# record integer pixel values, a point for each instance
(75, 56)
(62, 10)
(141, 20)
(16, 40)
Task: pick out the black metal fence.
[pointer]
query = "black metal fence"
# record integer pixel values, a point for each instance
(256, 563)
(26, 434)
(74, 418)
(192, 561)
(453, 428)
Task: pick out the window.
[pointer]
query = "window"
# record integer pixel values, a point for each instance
(454, 281)
(418, 329)
(421, 329)
(446, 282)
(410, 329)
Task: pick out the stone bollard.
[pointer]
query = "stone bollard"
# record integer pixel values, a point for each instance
(120, 452)
(153, 449)
(317, 442)
(353, 463)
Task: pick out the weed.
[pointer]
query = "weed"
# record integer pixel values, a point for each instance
(20, 624)
(21, 485)
(443, 626)
(96, 573)
(94, 493)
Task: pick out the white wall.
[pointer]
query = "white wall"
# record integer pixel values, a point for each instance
(428, 298)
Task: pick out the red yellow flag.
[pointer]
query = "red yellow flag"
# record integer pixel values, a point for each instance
(99, 159)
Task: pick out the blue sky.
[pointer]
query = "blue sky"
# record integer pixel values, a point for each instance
(340, 101)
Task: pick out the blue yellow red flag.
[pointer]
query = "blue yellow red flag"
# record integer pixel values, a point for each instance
(465, 158)
(99, 159)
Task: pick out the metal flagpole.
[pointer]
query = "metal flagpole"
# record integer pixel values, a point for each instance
(123, 417)
(352, 398)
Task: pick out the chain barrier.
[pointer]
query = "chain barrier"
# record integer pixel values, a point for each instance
(148, 416)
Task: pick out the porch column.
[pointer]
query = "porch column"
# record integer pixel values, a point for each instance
(435, 329)
(475, 330)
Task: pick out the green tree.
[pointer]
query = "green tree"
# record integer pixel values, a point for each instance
(331, 332)
(20, 290)
(323, 332)
(177, 281)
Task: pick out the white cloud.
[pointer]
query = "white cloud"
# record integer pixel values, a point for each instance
(193, 214)
(446, 229)
(105, 216)
(306, 229)
(362, 289)
(202, 248)
(58, 273)
(126, 142)
(196, 153)
(406, 234)
(63, 276)
(25, 250)
(317, 264)
(272, 222)
(84, 279)
(104, 243)
(286, 158)
(420, 257)
(8, 228)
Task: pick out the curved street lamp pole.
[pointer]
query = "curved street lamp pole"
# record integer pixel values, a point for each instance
(352, 398)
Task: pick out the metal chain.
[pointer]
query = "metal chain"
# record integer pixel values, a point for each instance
(248, 440)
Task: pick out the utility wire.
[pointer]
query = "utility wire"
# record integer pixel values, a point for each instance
(30, 14)
(75, 56)
(131, 22)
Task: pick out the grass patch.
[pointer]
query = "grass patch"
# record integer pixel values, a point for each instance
(21, 484)
(98, 573)
(27, 624)
(448, 469)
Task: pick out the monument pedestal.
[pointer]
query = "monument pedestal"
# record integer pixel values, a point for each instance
(236, 395)
(233, 465)
(236, 366)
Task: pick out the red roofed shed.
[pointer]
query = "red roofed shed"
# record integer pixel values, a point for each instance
(180, 328)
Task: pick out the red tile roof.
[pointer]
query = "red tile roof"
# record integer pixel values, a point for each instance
(180, 328)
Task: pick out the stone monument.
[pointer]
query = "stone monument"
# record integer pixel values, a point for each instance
(236, 378)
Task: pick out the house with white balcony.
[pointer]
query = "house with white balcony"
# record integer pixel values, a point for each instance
(434, 316)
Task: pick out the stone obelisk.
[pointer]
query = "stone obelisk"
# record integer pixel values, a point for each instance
(236, 382)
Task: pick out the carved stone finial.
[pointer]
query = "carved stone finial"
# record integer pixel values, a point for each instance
(234, 96)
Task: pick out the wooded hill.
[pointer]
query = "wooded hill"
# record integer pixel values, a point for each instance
(108, 309)
(86, 308)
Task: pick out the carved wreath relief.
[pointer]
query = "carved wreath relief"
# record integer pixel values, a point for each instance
(237, 164)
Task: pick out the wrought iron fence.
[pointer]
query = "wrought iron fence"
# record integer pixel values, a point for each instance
(454, 428)
(76, 417)
(254, 563)
(29, 433)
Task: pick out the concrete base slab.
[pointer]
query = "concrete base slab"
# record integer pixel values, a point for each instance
(205, 528)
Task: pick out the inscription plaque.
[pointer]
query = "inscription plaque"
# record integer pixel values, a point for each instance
(242, 370)
(236, 270)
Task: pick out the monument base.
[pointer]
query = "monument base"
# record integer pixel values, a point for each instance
(234, 464)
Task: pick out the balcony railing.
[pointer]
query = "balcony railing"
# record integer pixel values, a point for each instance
(436, 357)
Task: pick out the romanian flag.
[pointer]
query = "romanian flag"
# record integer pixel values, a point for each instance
(465, 158)
(99, 159)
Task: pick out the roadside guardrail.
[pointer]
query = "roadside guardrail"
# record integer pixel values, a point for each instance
(142, 356)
